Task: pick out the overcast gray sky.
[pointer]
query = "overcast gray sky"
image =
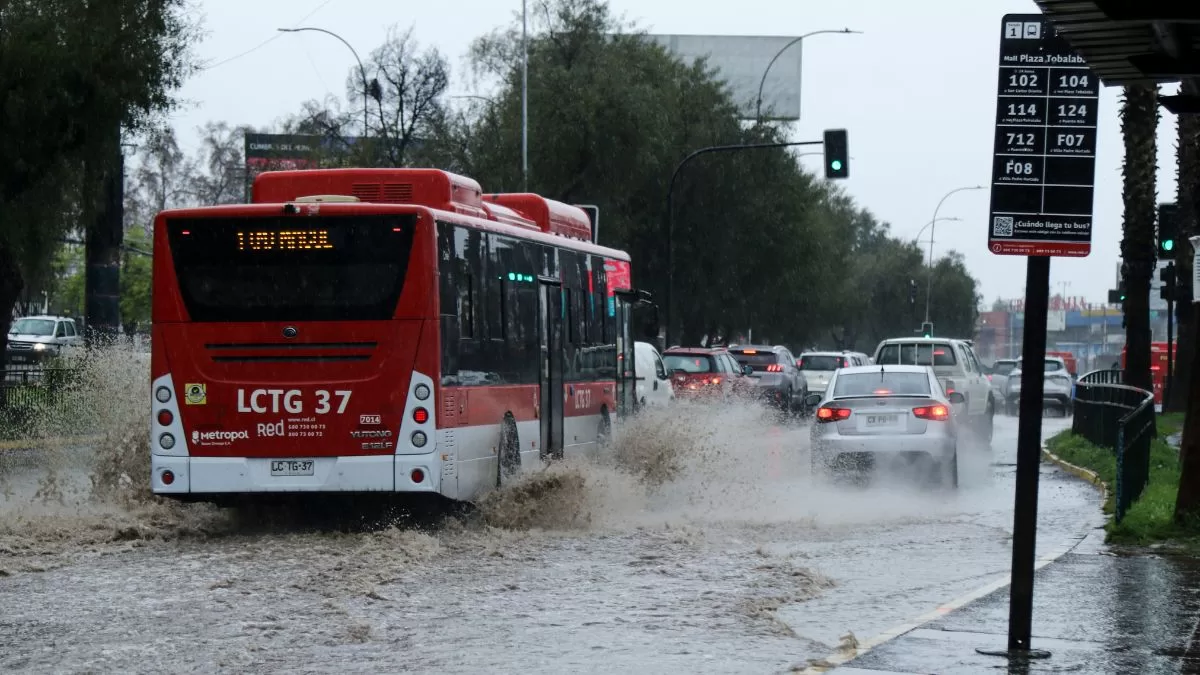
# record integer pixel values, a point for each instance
(916, 91)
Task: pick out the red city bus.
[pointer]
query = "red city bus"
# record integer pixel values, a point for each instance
(1158, 366)
(380, 330)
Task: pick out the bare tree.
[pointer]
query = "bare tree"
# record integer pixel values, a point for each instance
(409, 102)
(220, 176)
(163, 179)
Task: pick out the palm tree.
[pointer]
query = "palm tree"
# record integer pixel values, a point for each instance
(1188, 158)
(1139, 126)
(1187, 500)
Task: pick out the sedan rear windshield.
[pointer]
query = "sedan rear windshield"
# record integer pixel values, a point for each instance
(917, 354)
(821, 362)
(689, 363)
(320, 268)
(882, 384)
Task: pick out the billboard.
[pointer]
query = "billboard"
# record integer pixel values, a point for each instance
(283, 152)
(741, 62)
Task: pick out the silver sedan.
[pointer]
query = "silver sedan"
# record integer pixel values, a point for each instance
(883, 415)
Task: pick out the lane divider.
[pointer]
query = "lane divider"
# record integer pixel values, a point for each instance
(843, 656)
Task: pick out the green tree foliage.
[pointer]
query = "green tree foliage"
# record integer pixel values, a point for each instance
(759, 243)
(135, 280)
(72, 72)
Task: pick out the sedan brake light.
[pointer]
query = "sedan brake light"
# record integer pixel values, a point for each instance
(832, 414)
(937, 413)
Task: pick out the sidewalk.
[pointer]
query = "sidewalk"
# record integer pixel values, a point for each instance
(1095, 612)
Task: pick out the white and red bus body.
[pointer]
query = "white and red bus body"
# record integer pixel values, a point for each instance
(372, 330)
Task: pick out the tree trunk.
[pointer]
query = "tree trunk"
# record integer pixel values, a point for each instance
(11, 285)
(104, 182)
(1187, 500)
(1139, 125)
(1188, 153)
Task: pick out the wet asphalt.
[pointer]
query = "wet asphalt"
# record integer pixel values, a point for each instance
(737, 564)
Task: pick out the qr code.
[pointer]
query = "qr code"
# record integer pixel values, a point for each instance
(1002, 226)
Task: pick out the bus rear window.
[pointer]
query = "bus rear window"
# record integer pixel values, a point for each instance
(917, 354)
(324, 268)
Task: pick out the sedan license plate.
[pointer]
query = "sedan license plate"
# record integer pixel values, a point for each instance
(881, 420)
(291, 467)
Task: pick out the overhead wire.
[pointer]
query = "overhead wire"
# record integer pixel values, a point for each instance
(266, 42)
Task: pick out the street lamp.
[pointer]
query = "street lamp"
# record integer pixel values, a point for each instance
(524, 97)
(367, 91)
(799, 40)
(917, 238)
(932, 229)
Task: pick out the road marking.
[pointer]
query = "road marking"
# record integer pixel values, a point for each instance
(1000, 581)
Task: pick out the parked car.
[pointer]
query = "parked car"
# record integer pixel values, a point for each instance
(653, 384)
(956, 366)
(871, 416)
(33, 339)
(774, 376)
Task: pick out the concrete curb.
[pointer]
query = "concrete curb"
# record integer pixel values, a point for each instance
(36, 443)
(1078, 471)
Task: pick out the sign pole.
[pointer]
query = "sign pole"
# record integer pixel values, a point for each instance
(1043, 178)
(1029, 455)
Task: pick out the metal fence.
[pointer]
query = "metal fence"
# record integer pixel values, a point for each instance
(1122, 418)
(25, 388)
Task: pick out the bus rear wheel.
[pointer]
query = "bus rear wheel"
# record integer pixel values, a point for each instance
(508, 453)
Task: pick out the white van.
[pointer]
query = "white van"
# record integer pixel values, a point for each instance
(653, 385)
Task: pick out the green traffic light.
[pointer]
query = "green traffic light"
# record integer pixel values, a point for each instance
(1168, 245)
(836, 165)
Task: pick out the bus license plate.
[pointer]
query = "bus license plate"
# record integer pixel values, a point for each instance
(291, 467)
(881, 420)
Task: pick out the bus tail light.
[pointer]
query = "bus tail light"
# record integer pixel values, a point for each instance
(417, 475)
(167, 477)
(418, 426)
(166, 424)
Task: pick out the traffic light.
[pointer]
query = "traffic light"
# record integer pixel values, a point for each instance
(1121, 294)
(837, 154)
(1168, 229)
(1167, 276)
(1114, 296)
(912, 291)
(927, 329)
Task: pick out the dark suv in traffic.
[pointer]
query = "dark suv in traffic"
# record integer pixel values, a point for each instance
(774, 376)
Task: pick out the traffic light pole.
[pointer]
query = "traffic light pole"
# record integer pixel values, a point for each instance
(671, 215)
(1170, 378)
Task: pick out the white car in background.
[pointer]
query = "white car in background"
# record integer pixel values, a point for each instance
(653, 384)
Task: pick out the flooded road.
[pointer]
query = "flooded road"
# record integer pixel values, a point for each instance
(723, 558)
